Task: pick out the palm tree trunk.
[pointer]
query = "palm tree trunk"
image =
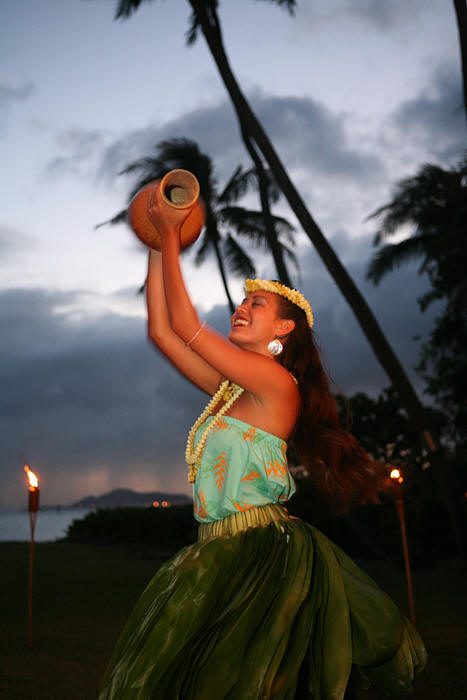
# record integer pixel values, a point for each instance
(220, 264)
(211, 29)
(271, 234)
(214, 240)
(460, 8)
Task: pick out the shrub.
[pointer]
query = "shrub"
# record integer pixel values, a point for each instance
(165, 528)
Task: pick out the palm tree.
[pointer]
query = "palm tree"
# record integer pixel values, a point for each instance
(204, 17)
(268, 192)
(272, 228)
(434, 204)
(224, 221)
(460, 9)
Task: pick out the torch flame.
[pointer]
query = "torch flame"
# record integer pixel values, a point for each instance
(33, 480)
(395, 474)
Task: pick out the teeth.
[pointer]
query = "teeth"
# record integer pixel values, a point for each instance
(241, 322)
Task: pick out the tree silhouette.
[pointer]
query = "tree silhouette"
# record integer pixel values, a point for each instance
(460, 9)
(434, 204)
(204, 18)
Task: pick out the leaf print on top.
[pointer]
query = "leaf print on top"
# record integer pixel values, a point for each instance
(221, 425)
(251, 476)
(277, 469)
(242, 506)
(200, 509)
(242, 467)
(250, 434)
(220, 469)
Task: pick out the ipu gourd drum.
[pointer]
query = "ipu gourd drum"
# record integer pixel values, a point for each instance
(179, 190)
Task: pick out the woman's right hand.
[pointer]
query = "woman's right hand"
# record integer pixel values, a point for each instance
(167, 220)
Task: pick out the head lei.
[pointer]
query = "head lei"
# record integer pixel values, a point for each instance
(277, 288)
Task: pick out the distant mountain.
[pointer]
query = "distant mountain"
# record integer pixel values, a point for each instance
(127, 497)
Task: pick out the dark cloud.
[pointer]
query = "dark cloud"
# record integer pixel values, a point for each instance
(213, 128)
(89, 395)
(76, 151)
(11, 94)
(307, 132)
(433, 122)
(91, 405)
(302, 129)
(382, 15)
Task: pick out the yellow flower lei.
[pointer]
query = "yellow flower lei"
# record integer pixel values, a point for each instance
(277, 288)
(230, 393)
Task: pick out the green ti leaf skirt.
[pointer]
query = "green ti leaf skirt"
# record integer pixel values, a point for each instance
(271, 612)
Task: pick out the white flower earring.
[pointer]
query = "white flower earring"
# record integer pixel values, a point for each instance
(275, 347)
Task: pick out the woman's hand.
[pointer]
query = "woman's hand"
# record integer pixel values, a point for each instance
(167, 220)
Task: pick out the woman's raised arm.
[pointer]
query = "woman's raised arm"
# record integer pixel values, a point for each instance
(255, 372)
(160, 331)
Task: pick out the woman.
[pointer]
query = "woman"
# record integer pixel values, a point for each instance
(263, 605)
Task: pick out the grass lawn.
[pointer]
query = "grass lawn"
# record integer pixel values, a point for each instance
(82, 595)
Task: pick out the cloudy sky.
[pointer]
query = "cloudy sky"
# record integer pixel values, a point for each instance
(355, 94)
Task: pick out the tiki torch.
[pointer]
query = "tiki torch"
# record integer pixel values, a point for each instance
(33, 507)
(397, 492)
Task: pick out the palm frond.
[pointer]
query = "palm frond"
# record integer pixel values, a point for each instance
(243, 181)
(274, 191)
(284, 229)
(119, 218)
(191, 33)
(245, 223)
(421, 201)
(238, 260)
(140, 164)
(125, 8)
(289, 253)
(150, 168)
(203, 250)
(426, 299)
(172, 154)
(288, 4)
(393, 255)
(434, 204)
(185, 153)
(251, 224)
(238, 185)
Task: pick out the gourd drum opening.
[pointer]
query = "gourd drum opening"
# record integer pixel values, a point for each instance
(179, 189)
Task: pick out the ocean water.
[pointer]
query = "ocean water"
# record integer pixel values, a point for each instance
(50, 524)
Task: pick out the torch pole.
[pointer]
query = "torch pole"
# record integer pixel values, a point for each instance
(33, 507)
(399, 503)
(396, 481)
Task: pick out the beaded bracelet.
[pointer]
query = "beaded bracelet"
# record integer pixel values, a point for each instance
(201, 328)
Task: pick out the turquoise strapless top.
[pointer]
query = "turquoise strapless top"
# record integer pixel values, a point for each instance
(241, 466)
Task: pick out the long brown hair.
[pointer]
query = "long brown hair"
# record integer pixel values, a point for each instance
(340, 469)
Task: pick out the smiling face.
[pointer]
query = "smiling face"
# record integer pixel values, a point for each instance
(256, 322)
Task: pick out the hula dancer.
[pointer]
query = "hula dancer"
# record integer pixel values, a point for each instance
(263, 605)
